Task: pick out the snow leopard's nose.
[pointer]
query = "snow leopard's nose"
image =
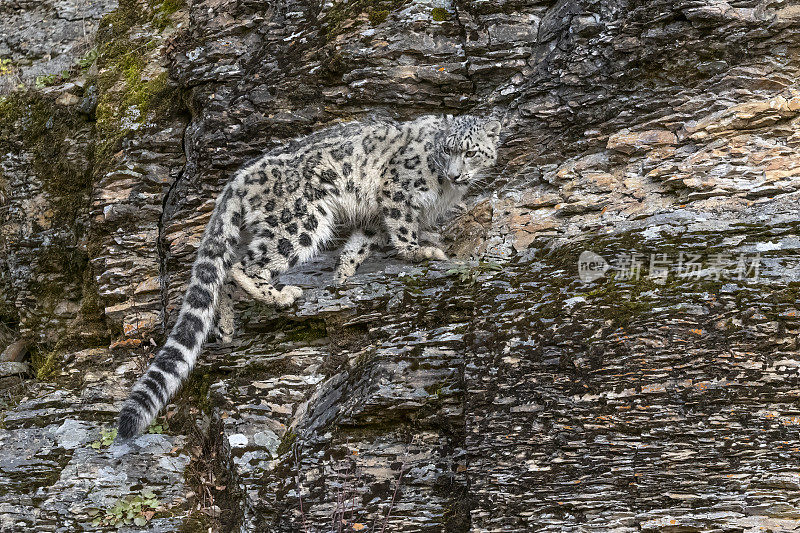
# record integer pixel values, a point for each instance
(453, 172)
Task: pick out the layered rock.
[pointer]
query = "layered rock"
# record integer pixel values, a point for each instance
(498, 394)
(56, 34)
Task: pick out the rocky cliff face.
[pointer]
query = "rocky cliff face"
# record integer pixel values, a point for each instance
(495, 392)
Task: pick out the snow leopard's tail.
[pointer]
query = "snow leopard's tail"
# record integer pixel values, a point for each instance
(175, 360)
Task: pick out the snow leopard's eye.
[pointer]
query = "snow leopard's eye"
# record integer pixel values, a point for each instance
(471, 153)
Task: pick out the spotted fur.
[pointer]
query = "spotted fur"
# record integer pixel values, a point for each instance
(389, 180)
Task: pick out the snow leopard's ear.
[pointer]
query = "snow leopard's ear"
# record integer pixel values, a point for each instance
(492, 127)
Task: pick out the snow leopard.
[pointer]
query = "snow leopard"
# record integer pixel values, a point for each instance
(381, 179)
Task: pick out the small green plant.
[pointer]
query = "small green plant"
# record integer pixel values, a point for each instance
(469, 273)
(130, 510)
(6, 67)
(107, 436)
(45, 80)
(88, 58)
(158, 428)
(440, 14)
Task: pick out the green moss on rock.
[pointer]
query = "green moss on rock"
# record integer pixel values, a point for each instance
(440, 14)
(163, 11)
(378, 16)
(286, 443)
(45, 363)
(344, 15)
(58, 142)
(127, 95)
(68, 148)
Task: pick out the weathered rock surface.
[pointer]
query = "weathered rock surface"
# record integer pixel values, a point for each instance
(58, 472)
(39, 39)
(497, 392)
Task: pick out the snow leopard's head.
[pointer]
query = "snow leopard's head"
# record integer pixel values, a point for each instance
(469, 149)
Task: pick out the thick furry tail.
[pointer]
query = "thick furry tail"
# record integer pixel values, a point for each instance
(175, 360)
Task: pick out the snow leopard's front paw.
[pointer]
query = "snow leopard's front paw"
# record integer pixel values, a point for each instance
(342, 273)
(423, 253)
(287, 296)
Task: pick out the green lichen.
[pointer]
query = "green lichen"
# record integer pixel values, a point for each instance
(120, 113)
(345, 15)
(468, 274)
(32, 123)
(197, 389)
(377, 17)
(415, 283)
(71, 263)
(286, 443)
(305, 331)
(116, 25)
(49, 132)
(94, 330)
(440, 14)
(197, 523)
(68, 149)
(163, 11)
(128, 97)
(6, 66)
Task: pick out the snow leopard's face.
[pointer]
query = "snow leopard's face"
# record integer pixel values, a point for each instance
(470, 148)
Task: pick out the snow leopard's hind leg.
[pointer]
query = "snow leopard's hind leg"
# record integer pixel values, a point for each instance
(258, 284)
(262, 262)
